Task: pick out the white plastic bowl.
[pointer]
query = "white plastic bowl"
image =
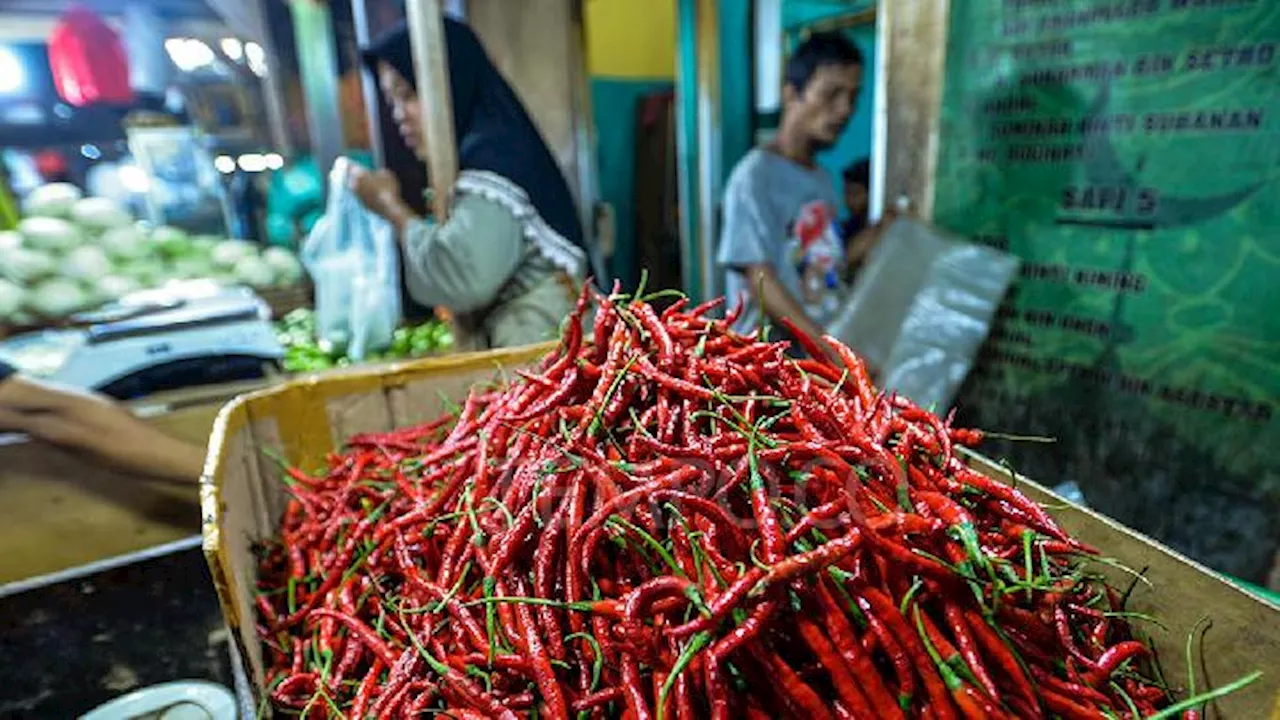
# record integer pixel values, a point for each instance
(182, 700)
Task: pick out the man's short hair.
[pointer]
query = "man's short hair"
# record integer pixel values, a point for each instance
(820, 50)
(859, 173)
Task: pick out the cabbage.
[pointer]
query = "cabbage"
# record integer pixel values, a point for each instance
(126, 243)
(283, 264)
(190, 268)
(171, 242)
(57, 298)
(23, 265)
(49, 234)
(97, 215)
(11, 299)
(114, 287)
(202, 246)
(229, 252)
(253, 271)
(87, 262)
(10, 241)
(148, 273)
(52, 200)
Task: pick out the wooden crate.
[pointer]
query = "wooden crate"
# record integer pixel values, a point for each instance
(242, 499)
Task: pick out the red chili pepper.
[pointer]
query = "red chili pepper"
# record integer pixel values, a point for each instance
(1113, 658)
(841, 675)
(812, 561)
(792, 686)
(968, 647)
(876, 604)
(363, 632)
(637, 487)
(1068, 708)
(360, 708)
(548, 685)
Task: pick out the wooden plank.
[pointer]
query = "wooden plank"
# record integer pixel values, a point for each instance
(913, 50)
(709, 161)
(431, 64)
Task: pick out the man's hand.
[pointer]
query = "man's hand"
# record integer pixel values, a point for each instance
(778, 303)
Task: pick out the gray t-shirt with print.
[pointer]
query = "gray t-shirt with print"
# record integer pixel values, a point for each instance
(781, 214)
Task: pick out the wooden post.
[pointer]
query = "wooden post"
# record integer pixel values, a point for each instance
(369, 82)
(431, 64)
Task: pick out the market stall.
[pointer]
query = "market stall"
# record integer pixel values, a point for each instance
(654, 515)
(561, 541)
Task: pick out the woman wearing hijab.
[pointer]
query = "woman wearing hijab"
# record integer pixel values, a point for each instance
(511, 256)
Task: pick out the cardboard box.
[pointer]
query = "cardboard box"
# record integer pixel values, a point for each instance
(242, 499)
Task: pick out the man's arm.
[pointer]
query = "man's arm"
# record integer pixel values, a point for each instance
(92, 424)
(777, 302)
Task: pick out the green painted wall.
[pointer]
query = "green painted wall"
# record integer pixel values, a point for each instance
(737, 74)
(803, 12)
(614, 102)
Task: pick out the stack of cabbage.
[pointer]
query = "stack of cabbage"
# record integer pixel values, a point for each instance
(72, 253)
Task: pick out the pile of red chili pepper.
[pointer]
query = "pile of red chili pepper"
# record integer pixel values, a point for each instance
(669, 519)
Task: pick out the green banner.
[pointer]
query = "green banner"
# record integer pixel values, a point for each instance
(1127, 151)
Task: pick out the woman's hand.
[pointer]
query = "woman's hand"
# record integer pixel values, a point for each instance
(375, 188)
(379, 191)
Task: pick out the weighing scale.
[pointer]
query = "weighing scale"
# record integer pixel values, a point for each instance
(182, 335)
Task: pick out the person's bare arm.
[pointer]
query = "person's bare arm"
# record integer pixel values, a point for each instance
(92, 424)
(777, 301)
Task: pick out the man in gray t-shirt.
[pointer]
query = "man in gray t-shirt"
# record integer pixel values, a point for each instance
(780, 246)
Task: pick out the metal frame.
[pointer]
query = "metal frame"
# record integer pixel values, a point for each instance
(880, 121)
(318, 70)
(368, 83)
(584, 125)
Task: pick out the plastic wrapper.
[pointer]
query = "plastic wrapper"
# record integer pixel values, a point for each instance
(353, 260)
(921, 309)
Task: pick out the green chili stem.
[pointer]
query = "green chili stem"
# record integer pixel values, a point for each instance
(696, 645)
(1189, 703)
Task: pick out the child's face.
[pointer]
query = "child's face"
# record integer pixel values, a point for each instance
(856, 198)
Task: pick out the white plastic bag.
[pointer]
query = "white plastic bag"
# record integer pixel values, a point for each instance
(353, 261)
(922, 308)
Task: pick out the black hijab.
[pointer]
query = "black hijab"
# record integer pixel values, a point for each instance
(494, 132)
